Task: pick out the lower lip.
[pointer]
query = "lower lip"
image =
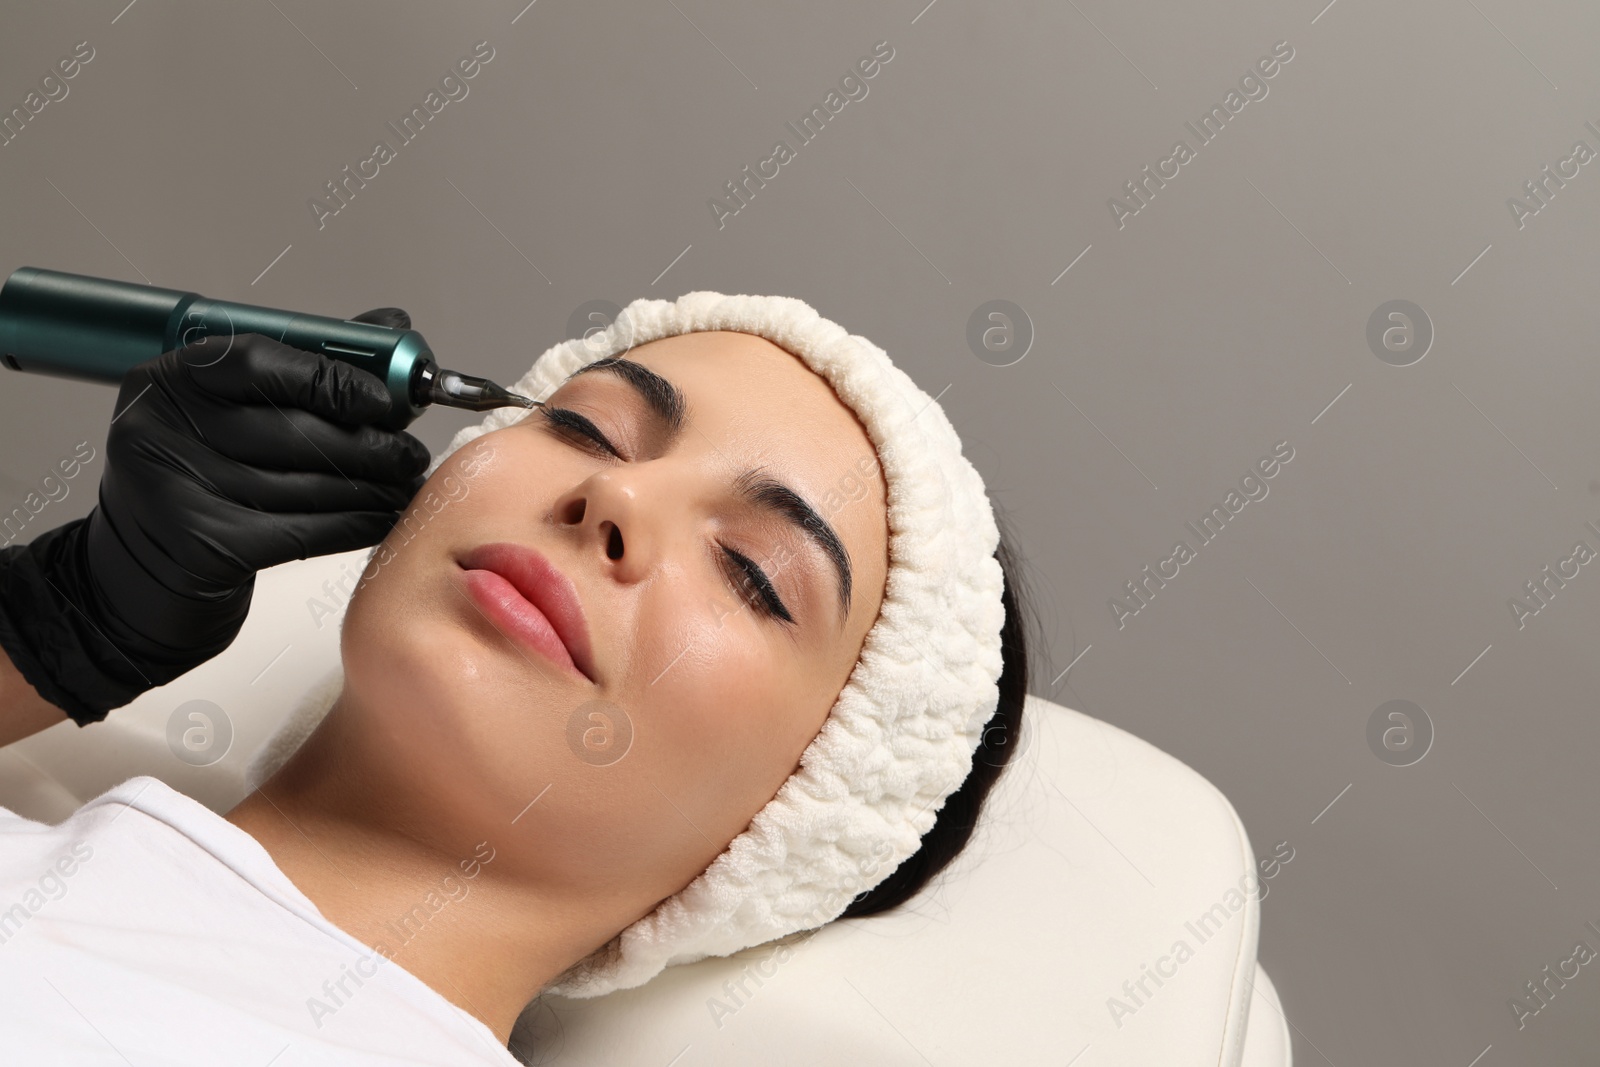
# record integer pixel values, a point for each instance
(515, 616)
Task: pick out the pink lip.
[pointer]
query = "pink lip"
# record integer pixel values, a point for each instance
(531, 601)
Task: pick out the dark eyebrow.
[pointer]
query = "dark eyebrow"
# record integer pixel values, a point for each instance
(776, 497)
(667, 403)
(665, 399)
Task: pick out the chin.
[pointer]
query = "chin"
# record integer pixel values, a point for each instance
(470, 725)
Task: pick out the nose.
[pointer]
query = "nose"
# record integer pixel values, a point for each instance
(615, 520)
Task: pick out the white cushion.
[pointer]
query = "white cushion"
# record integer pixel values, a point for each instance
(1097, 852)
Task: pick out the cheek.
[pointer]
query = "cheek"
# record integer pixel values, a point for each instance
(405, 641)
(713, 738)
(456, 499)
(727, 720)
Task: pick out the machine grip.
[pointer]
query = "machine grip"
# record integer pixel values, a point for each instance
(97, 329)
(75, 326)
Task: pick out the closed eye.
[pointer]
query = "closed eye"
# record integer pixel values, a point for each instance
(745, 574)
(573, 424)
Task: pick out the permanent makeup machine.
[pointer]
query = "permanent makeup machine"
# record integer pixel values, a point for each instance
(97, 329)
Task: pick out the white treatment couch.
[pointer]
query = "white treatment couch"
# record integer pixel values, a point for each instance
(1096, 855)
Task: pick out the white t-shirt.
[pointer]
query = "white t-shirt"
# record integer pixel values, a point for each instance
(147, 929)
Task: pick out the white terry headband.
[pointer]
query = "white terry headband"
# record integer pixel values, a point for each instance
(901, 736)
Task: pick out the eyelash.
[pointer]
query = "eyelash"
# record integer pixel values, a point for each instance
(573, 425)
(743, 569)
(768, 603)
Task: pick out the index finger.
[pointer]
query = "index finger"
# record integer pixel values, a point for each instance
(258, 370)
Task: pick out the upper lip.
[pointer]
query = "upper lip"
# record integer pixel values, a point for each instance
(543, 586)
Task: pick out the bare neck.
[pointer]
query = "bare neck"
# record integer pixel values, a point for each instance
(446, 902)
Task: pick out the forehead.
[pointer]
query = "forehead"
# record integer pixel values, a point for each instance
(760, 394)
(743, 357)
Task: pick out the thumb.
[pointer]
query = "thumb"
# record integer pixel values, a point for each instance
(394, 318)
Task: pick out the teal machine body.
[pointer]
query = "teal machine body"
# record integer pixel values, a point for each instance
(97, 329)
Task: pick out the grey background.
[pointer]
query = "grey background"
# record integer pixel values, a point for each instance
(1225, 317)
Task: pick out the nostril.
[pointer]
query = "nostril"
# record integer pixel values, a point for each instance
(614, 544)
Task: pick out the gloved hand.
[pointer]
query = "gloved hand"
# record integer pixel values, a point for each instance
(217, 465)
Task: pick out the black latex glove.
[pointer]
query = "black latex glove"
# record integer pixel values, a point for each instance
(216, 466)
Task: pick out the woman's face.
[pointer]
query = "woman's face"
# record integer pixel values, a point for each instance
(702, 696)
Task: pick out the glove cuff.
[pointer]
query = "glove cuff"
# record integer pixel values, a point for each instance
(64, 637)
(50, 639)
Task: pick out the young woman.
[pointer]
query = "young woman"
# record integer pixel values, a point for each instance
(579, 673)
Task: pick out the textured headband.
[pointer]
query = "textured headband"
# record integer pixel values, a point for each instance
(901, 737)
